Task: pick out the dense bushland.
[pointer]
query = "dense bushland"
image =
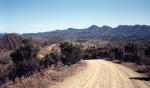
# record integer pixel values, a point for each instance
(24, 62)
(130, 52)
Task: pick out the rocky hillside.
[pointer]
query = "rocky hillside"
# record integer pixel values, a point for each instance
(9, 41)
(95, 32)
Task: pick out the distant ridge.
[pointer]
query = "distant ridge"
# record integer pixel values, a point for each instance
(134, 31)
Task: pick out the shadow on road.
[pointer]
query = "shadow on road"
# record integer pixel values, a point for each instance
(141, 78)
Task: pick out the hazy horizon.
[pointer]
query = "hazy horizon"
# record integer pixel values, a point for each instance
(32, 16)
(68, 28)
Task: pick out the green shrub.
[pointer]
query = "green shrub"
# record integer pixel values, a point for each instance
(5, 60)
(130, 52)
(3, 76)
(147, 51)
(95, 53)
(90, 53)
(25, 58)
(50, 59)
(71, 52)
(115, 53)
(147, 57)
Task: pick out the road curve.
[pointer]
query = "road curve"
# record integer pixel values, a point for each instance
(45, 50)
(103, 74)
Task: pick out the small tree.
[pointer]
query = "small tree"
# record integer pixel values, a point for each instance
(147, 57)
(55, 55)
(50, 59)
(71, 52)
(91, 53)
(25, 58)
(147, 51)
(130, 52)
(115, 53)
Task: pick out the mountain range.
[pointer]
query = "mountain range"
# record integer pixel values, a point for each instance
(95, 32)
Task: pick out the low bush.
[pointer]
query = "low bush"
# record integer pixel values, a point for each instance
(3, 76)
(25, 58)
(50, 59)
(71, 52)
(5, 60)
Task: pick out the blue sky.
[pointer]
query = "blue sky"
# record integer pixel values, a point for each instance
(26, 16)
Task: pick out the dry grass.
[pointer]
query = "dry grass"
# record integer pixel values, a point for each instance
(4, 53)
(45, 78)
(131, 65)
(138, 68)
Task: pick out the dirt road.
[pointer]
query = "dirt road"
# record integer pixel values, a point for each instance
(45, 50)
(103, 74)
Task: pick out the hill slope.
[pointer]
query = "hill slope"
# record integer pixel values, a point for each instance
(9, 41)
